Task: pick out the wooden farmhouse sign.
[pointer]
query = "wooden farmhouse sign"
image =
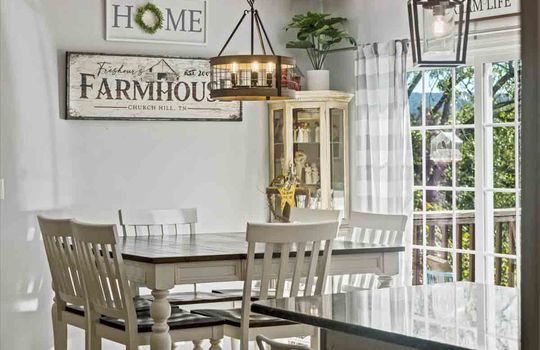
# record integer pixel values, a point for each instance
(489, 9)
(124, 87)
(183, 21)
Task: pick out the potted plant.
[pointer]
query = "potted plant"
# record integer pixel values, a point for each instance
(317, 34)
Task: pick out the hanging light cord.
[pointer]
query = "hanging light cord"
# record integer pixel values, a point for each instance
(256, 24)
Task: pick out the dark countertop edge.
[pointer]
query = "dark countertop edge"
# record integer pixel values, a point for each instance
(371, 333)
(183, 259)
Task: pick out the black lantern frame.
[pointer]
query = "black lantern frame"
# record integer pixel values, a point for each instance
(463, 10)
(251, 77)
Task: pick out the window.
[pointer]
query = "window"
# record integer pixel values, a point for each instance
(465, 132)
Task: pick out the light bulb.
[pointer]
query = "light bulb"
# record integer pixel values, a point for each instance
(439, 26)
(234, 68)
(255, 67)
(270, 67)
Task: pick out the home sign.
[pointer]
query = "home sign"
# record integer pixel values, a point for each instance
(158, 21)
(129, 87)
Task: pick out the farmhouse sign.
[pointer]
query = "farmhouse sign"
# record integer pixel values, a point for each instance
(182, 21)
(488, 9)
(124, 87)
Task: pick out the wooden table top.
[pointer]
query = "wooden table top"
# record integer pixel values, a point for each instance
(217, 246)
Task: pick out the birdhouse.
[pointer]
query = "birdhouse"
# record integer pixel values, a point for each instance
(441, 147)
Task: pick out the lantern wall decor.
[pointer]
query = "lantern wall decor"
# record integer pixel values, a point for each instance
(439, 32)
(251, 77)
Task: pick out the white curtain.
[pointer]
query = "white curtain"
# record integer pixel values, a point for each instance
(382, 162)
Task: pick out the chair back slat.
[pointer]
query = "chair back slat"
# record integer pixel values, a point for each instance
(287, 237)
(59, 248)
(323, 267)
(299, 265)
(103, 272)
(313, 259)
(266, 271)
(156, 222)
(283, 269)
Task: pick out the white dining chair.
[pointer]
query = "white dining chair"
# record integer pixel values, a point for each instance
(69, 295)
(306, 215)
(313, 245)
(110, 310)
(157, 222)
(163, 223)
(274, 345)
(297, 215)
(372, 228)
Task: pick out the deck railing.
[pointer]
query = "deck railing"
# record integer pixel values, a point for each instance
(438, 234)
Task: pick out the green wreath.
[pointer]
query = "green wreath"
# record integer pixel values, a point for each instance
(157, 14)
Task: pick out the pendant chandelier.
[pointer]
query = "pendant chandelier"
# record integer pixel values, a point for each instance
(251, 77)
(439, 32)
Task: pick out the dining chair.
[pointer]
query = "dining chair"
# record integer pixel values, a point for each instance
(110, 310)
(297, 215)
(312, 243)
(163, 223)
(372, 228)
(274, 345)
(306, 215)
(69, 295)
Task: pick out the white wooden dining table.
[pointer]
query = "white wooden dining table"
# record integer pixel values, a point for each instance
(161, 263)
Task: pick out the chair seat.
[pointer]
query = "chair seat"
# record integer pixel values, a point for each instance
(186, 298)
(179, 319)
(233, 316)
(139, 303)
(239, 292)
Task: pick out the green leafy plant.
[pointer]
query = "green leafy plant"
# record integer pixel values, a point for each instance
(158, 18)
(317, 34)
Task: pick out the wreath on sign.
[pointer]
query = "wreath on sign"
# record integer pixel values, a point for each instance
(158, 18)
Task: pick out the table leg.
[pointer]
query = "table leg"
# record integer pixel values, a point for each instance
(160, 312)
(385, 281)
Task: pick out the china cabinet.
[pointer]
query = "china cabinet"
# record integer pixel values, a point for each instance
(310, 135)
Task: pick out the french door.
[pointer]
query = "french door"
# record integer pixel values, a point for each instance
(465, 126)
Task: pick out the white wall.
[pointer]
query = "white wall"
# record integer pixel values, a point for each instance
(368, 21)
(92, 168)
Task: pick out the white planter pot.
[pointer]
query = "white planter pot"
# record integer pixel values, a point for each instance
(318, 80)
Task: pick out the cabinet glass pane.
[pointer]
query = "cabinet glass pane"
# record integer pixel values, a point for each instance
(307, 153)
(337, 159)
(279, 145)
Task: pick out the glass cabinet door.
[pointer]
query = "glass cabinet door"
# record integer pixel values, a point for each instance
(278, 126)
(307, 154)
(338, 160)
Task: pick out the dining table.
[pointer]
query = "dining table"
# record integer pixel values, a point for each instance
(445, 316)
(162, 262)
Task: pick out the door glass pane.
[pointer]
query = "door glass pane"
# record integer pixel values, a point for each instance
(439, 155)
(438, 96)
(307, 152)
(464, 154)
(279, 146)
(504, 157)
(337, 159)
(504, 91)
(439, 267)
(465, 95)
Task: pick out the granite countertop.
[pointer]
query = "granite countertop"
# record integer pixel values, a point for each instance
(459, 315)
